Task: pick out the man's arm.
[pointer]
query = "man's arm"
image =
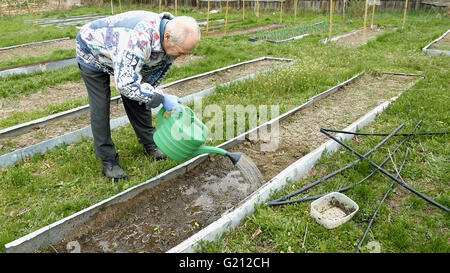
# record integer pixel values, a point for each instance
(128, 77)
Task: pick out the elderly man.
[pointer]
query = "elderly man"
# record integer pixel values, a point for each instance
(138, 48)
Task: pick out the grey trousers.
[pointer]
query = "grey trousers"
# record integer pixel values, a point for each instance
(99, 92)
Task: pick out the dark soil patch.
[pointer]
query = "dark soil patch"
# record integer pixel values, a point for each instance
(162, 217)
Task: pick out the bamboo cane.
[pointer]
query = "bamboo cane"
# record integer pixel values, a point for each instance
(257, 10)
(365, 20)
(120, 6)
(295, 11)
(404, 13)
(226, 19)
(331, 21)
(160, 4)
(35, 12)
(243, 10)
(373, 14)
(112, 7)
(176, 7)
(207, 18)
(29, 10)
(281, 11)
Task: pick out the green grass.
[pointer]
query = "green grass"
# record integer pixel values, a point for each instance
(49, 187)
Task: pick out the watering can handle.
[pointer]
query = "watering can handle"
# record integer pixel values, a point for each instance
(160, 117)
(163, 110)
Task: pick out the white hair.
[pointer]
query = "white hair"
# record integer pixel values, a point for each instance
(179, 28)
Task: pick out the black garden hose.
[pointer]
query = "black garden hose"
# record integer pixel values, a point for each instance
(426, 198)
(282, 200)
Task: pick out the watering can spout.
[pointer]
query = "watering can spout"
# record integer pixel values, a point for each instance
(234, 157)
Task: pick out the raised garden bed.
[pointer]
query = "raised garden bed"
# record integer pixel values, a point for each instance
(290, 33)
(355, 38)
(439, 46)
(244, 31)
(38, 67)
(160, 213)
(217, 26)
(14, 146)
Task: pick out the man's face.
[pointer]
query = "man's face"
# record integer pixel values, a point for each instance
(182, 50)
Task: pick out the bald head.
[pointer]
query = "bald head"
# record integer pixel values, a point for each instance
(181, 36)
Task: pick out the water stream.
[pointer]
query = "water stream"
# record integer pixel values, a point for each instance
(249, 170)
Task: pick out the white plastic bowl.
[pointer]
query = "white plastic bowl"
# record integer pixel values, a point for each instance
(333, 209)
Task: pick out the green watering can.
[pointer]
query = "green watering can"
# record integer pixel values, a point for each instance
(181, 136)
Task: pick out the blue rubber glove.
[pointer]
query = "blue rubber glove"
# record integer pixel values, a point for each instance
(171, 103)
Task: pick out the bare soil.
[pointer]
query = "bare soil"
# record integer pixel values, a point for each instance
(302, 135)
(74, 90)
(244, 31)
(357, 39)
(52, 95)
(160, 218)
(216, 26)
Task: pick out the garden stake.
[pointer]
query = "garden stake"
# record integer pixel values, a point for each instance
(350, 186)
(160, 2)
(243, 10)
(176, 7)
(112, 7)
(277, 201)
(373, 13)
(404, 13)
(226, 19)
(331, 21)
(386, 173)
(207, 19)
(281, 11)
(28, 6)
(379, 205)
(295, 11)
(365, 20)
(257, 10)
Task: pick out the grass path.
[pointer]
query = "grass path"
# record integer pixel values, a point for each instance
(49, 187)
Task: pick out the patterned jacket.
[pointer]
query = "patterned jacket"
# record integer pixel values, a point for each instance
(128, 46)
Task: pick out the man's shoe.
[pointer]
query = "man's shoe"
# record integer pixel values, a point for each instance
(112, 170)
(154, 151)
